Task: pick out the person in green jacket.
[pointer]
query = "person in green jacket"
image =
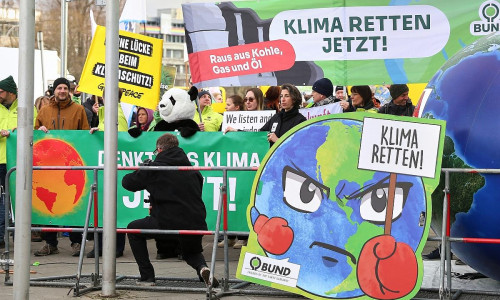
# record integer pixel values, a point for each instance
(211, 120)
(99, 110)
(8, 123)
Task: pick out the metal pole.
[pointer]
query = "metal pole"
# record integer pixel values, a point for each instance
(443, 290)
(97, 247)
(24, 149)
(225, 208)
(448, 243)
(217, 230)
(110, 148)
(64, 37)
(41, 48)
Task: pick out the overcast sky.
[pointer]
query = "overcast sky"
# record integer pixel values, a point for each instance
(153, 5)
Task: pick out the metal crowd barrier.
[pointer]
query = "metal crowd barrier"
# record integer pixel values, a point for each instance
(77, 290)
(445, 288)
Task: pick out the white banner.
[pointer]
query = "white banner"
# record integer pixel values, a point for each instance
(313, 112)
(399, 147)
(364, 32)
(246, 120)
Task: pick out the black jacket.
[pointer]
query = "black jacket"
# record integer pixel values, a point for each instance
(91, 115)
(175, 196)
(284, 121)
(398, 110)
(369, 105)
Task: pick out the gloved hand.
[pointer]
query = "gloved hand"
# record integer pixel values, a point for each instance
(274, 235)
(387, 269)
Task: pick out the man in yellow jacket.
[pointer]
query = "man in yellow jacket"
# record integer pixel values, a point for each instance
(8, 122)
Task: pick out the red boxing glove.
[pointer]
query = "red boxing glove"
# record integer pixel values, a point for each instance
(274, 235)
(387, 269)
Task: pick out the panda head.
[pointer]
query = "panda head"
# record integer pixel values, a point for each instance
(177, 104)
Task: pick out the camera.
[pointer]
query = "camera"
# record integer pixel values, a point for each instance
(146, 162)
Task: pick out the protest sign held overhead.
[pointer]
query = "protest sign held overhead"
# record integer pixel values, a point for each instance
(139, 73)
(399, 147)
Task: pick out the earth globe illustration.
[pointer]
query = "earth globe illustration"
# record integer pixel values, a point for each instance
(56, 192)
(328, 209)
(465, 92)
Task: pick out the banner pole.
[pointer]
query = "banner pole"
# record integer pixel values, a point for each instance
(110, 151)
(24, 176)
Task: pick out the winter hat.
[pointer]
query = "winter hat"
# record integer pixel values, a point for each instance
(9, 85)
(323, 86)
(339, 88)
(397, 89)
(204, 93)
(59, 81)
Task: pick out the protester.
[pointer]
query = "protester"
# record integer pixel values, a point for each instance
(254, 99)
(217, 97)
(99, 110)
(361, 100)
(272, 98)
(322, 93)
(400, 104)
(92, 116)
(211, 120)
(61, 114)
(288, 117)
(339, 93)
(41, 102)
(8, 123)
(75, 93)
(176, 203)
(234, 103)
(143, 120)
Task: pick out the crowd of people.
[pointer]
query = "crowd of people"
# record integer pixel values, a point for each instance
(62, 109)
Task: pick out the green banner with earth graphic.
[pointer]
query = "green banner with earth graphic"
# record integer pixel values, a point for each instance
(351, 42)
(60, 197)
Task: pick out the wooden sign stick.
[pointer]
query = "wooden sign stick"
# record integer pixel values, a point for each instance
(390, 203)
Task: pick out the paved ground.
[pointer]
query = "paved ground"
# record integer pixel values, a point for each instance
(64, 264)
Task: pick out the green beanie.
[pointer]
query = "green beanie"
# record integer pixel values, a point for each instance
(9, 85)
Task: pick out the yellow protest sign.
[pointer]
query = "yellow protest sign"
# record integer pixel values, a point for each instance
(139, 68)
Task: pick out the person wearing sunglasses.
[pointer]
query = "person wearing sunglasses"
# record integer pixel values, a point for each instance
(254, 99)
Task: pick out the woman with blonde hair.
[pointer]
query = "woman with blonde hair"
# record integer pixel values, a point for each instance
(41, 102)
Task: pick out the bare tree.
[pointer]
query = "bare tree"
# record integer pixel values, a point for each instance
(79, 29)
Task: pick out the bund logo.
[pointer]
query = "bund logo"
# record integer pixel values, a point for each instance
(490, 22)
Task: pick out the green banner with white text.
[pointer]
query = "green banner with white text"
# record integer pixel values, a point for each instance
(350, 42)
(60, 197)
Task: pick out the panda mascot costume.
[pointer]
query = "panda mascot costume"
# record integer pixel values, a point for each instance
(176, 109)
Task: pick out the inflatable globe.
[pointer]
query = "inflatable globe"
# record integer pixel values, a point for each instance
(466, 93)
